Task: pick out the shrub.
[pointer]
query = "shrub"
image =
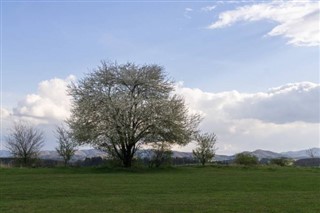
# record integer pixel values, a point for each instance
(280, 161)
(246, 159)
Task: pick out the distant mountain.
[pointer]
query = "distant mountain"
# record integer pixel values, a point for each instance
(266, 154)
(5, 154)
(89, 153)
(223, 157)
(53, 155)
(176, 154)
(301, 154)
(259, 153)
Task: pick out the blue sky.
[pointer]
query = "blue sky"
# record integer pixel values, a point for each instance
(52, 40)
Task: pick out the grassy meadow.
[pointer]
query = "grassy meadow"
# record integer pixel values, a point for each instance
(181, 189)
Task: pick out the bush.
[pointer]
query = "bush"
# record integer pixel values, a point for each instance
(246, 159)
(280, 161)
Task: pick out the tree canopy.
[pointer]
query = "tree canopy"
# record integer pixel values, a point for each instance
(25, 142)
(67, 146)
(205, 149)
(121, 107)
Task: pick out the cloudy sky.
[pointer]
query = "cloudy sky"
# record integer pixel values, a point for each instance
(251, 68)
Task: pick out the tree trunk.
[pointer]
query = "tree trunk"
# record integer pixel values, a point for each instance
(25, 161)
(127, 161)
(203, 162)
(128, 156)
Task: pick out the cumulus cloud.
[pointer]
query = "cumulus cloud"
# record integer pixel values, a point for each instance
(50, 103)
(289, 103)
(296, 20)
(296, 102)
(47, 107)
(280, 119)
(4, 113)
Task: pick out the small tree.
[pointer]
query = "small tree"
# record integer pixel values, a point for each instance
(311, 152)
(161, 153)
(205, 150)
(246, 159)
(24, 142)
(66, 144)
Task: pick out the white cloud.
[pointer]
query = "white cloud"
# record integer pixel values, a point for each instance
(290, 103)
(50, 103)
(238, 1)
(45, 109)
(283, 118)
(208, 8)
(4, 113)
(187, 12)
(296, 20)
(234, 2)
(280, 119)
(296, 102)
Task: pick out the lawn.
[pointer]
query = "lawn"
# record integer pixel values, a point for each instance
(182, 189)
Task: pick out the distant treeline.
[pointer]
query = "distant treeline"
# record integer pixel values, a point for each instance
(99, 161)
(94, 161)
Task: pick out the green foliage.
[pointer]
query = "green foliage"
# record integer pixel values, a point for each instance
(280, 161)
(205, 150)
(183, 189)
(161, 154)
(246, 159)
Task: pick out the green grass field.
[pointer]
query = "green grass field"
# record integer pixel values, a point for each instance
(183, 189)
